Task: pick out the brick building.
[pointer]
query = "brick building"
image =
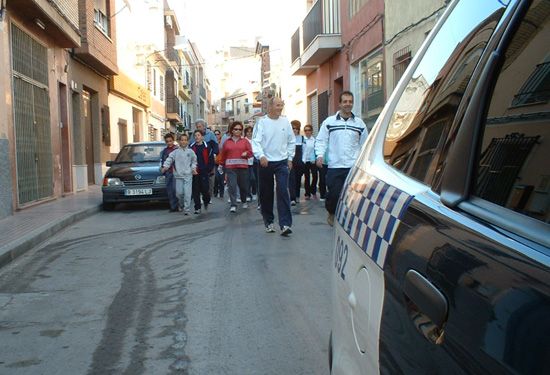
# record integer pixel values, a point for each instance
(91, 67)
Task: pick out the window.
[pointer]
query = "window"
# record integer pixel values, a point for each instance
(371, 87)
(238, 106)
(537, 87)
(161, 88)
(152, 133)
(512, 168)
(401, 60)
(101, 15)
(355, 6)
(427, 107)
(149, 80)
(154, 82)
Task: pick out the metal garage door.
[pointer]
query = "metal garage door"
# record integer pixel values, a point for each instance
(31, 107)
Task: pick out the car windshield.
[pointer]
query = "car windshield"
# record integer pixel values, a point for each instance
(139, 153)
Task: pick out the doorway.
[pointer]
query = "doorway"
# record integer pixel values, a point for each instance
(338, 88)
(88, 135)
(136, 119)
(122, 132)
(65, 144)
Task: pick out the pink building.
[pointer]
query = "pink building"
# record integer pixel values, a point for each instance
(339, 47)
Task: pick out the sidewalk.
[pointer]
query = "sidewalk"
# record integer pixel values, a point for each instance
(27, 228)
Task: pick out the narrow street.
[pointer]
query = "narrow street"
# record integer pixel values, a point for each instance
(143, 291)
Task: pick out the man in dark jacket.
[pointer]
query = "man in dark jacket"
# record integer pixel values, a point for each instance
(169, 174)
(205, 152)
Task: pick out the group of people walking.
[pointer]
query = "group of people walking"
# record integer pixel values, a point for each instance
(268, 160)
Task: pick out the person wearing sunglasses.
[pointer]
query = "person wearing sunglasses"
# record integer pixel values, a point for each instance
(234, 161)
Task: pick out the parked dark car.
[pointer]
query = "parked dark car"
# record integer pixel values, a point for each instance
(442, 235)
(134, 176)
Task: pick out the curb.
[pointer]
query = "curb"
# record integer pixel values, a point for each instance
(35, 237)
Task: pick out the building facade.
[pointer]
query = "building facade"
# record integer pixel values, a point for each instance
(405, 28)
(92, 66)
(363, 46)
(35, 143)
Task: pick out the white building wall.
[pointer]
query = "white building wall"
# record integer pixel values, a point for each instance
(406, 25)
(119, 109)
(140, 31)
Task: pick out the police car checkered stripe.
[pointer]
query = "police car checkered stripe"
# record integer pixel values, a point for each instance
(370, 213)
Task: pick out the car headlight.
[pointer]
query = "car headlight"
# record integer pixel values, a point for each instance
(161, 180)
(112, 181)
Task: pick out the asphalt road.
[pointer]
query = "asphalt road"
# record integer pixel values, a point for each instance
(144, 291)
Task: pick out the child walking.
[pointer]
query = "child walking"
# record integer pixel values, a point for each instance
(185, 166)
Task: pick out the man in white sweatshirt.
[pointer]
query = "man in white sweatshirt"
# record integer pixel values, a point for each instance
(273, 144)
(343, 134)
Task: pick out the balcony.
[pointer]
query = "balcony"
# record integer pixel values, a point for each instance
(183, 90)
(57, 25)
(227, 114)
(202, 92)
(173, 109)
(319, 35)
(174, 58)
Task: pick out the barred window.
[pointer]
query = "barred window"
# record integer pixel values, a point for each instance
(401, 60)
(537, 87)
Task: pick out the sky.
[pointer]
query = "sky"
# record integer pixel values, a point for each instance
(213, 24)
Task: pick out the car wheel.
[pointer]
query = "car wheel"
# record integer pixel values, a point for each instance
(108, 206)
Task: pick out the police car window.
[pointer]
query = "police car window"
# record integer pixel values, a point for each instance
(427, 107)
(513, 168)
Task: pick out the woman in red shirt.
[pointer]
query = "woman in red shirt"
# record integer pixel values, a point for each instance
(234, 160)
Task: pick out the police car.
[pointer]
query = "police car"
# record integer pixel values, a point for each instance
(442, 234)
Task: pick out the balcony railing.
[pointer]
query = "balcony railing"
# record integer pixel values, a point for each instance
(323, 18)
(173, 105)
(295, 46)
(227, 114)
(174, 56)
(202, 91)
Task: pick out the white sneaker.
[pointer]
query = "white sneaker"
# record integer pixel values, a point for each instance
(254, 197)
(270, 228)
(228, 200)
(248, 199)
(233, 209)
(286, 231)
(245, 205)
(293, 203)
(238, 200)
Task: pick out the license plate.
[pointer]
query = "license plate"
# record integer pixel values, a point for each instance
(138, 192)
